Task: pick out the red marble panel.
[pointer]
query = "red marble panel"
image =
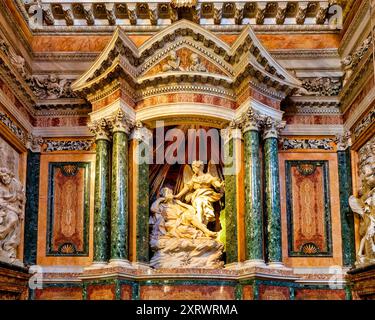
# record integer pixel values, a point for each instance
(319, 294)
(308, 209)
(186, 98)
(101, 292)
(56, 293)
(126, 292)
(273, 293)
(247, 292)
(313, 119)
(68, 208)
(74, 121)
(187, 292)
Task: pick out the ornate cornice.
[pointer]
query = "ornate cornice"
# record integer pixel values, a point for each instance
(87, 17)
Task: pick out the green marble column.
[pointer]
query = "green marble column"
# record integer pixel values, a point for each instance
(347, 219)
(119, 194)
(143, 139)
(272, 193)
(102, 193)
(229, 221)
(253, 201)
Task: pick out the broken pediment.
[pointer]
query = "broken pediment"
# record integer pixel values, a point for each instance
(187, 53)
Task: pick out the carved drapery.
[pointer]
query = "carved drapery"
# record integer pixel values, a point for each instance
(364, 204)
(12, 200)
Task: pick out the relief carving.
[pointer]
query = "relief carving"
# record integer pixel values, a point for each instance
(180, 237)
(12, 201)
(364, 205)
(173, 63)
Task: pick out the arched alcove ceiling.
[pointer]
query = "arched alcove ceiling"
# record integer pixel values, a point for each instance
(245, 61)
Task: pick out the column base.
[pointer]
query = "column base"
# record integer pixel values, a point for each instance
(120, 263)
(234, 266)
(96, 266)
(254, 263)
(141, 265)
(276, 265)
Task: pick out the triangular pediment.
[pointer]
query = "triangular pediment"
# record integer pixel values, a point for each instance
(196, 51)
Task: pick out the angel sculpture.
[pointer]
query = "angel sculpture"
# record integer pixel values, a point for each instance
(202, 189)
(365, 208)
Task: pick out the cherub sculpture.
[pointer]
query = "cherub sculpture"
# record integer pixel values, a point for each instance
(195, 64)
(173, 63)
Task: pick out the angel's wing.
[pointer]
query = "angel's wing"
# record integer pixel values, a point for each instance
(188, 174)
(355, 205)
(212, 169)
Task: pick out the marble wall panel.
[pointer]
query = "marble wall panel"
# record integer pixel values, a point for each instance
(9, 158)
(187, 292)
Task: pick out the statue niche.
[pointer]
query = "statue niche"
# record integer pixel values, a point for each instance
(12, 200)
(180, 237)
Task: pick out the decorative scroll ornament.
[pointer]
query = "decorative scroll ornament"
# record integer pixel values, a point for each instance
(50, 87)
(351, 61)
(64, 145)
(323, 86)
(272, 128)
(343, 141)
(17, 61)
(318, 144)
(12, 200)
(100, 129)
(364, 205)
(180, 237)
(184, 3)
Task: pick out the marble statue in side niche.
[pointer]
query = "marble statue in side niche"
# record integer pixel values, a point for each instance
(173, 63)
(12, 200)
(195, 64)
(364, 205)
(180, 237)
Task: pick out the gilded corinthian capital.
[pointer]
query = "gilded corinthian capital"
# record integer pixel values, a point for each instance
(100, 129)
(120, 122)
(272, 128)
(250, 120)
